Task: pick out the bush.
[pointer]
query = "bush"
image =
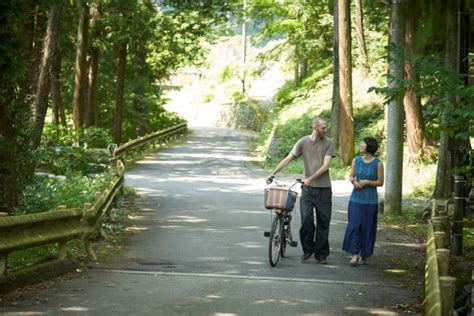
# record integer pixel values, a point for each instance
(47, 193)
(247, 115)
(89, 137)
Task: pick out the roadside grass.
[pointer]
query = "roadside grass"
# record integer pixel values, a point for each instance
(409, 219)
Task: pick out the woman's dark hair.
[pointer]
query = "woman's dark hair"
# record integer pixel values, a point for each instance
(372, 145)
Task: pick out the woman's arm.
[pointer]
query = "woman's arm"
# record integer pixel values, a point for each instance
(375, 183)
(352, 175)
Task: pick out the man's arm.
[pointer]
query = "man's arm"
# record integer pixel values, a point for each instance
(320, 171)
(282, 165)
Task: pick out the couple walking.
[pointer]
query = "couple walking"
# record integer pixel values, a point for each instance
(316, 198)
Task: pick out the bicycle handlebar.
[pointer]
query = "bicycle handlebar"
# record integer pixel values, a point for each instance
(272, 178)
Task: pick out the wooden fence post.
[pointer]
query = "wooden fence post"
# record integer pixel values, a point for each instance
(3, 256)
(62, 250)
(447, 285)
(442, 224)
(440, 208)
(87, 214)
(112, 160)
(443, 261)
(440, 238)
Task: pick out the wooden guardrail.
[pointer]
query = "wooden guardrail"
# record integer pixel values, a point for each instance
(62, 225)
(439, 286)
(141, 141)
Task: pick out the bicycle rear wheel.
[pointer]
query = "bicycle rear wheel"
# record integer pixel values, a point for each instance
(275, 240)
(283, 243)
(284, 234)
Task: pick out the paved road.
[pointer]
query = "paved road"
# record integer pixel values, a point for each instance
(200, 248)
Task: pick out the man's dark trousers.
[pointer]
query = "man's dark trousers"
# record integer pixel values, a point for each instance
(319, 199)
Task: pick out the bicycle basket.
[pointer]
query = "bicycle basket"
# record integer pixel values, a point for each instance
(280, 197)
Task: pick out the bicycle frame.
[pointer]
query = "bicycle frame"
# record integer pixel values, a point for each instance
(280, 233)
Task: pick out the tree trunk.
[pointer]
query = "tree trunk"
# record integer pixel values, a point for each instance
(81, 64)
(43, 86)
(142, 114)
(346, 131)
(16, 162)
(120, 94)
(303, 67)
(38, 24)
(452, 151)
(394, 165)
(58, 104)
(9, 186)
(361, 36)
(415, 127)
(92, 113)
(336, 97)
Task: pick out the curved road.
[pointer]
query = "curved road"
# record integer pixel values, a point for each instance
(200, 250)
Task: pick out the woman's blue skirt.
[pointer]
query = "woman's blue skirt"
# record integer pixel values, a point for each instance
(361, 229)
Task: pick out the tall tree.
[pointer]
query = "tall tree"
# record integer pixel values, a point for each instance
(37, 23)
(394, 165)
(120, 93)
(44, 78)
(346, 131)
(92, 109)
(16, 164)
(361, 36)
(454, 149)
(80, 77)
(415, 127)
(336, 98)
(59, 114)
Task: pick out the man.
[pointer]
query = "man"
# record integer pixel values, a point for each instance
(317, 151)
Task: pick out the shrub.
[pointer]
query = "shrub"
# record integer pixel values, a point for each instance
(46, 193)
(248, 115)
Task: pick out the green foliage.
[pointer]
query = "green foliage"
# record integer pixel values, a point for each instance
(28, 257)
(410, 219)
(305, 26)
(207, 98)
(247, 114)
(16, 159)
(285, 94)
(293, 130)
(468, 234)
(423, 191)
(70, 160)
(89, 137)
(46, 193)
(449, 101)
(367, 122)
(227, 73)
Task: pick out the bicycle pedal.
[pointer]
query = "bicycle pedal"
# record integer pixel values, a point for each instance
(293, 243)
(266, 234)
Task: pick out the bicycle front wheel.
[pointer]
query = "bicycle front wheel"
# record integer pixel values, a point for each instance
(275, 240)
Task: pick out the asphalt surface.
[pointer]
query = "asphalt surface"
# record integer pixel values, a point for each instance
(199, 249)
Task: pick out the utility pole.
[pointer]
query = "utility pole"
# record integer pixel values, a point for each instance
(244, 45)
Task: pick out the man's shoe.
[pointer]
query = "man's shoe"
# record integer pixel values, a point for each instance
(322, 261)
(306, 256)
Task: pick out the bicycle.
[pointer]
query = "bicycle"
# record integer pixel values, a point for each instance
(281, 200)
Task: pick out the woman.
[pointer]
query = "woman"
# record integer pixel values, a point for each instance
(366, 175)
